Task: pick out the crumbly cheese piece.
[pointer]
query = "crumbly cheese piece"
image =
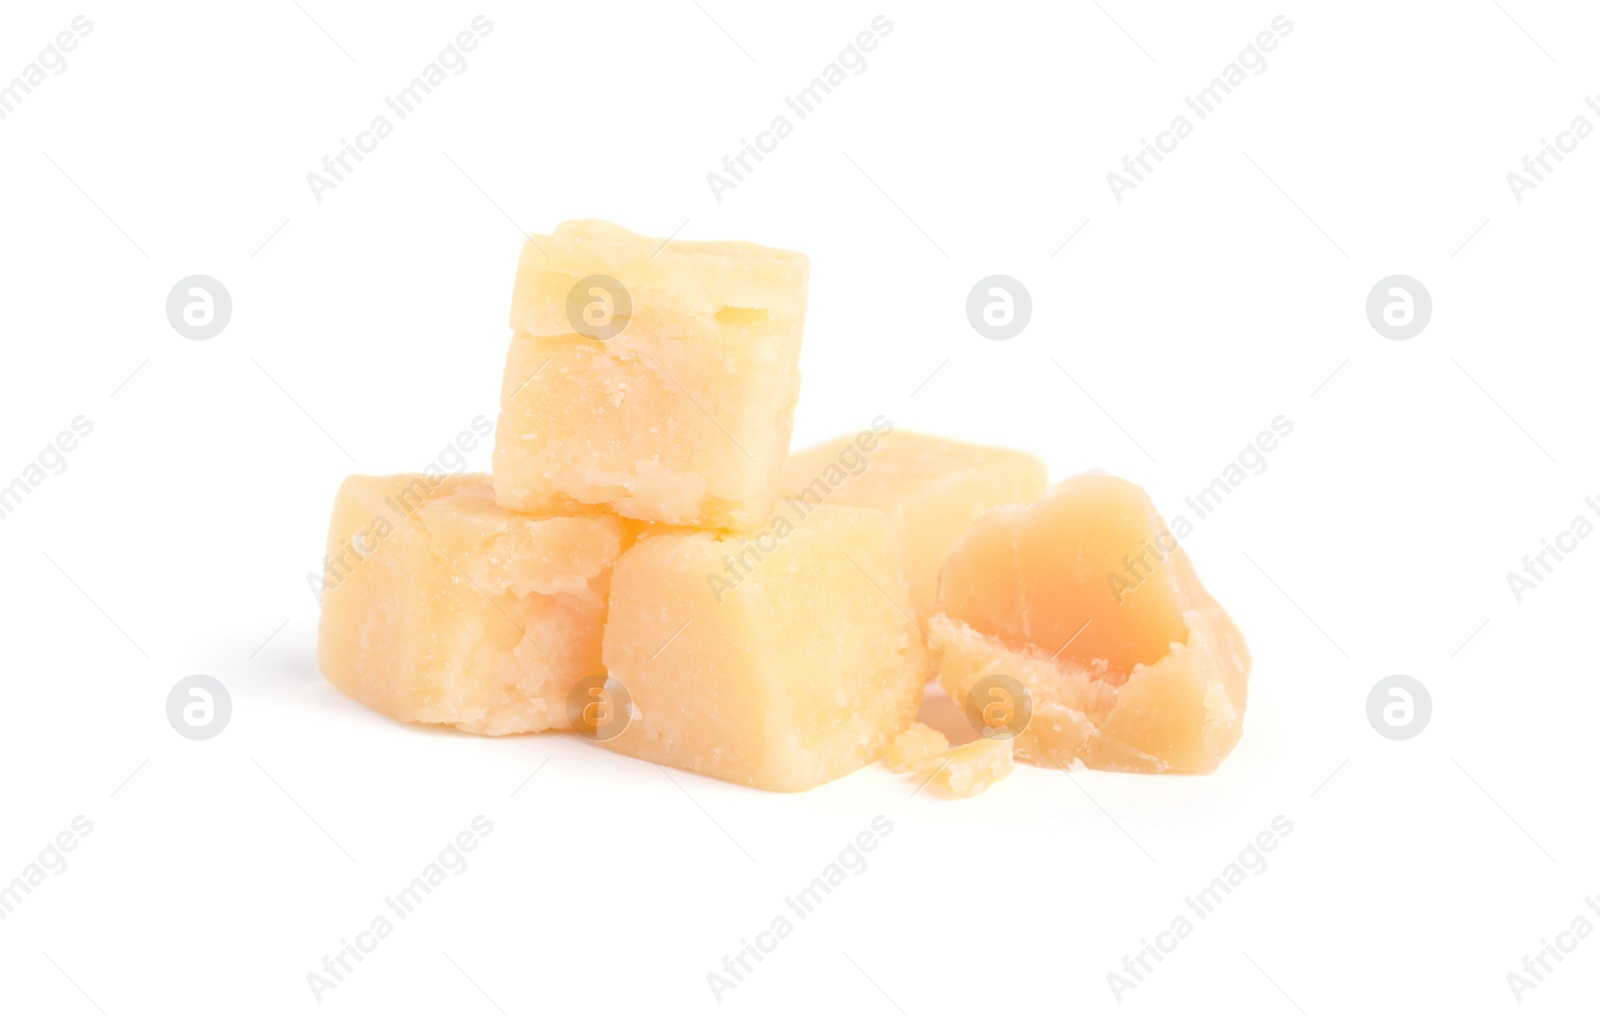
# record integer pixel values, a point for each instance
(916, 745)
(970, 769)
(1086, 600)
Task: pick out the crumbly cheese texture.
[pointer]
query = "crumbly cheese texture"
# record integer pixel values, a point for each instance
(932, 489)
(441, 607)
(801, 672)
(916, 745)
(969, 769)
(684, 416)
(1086, 599)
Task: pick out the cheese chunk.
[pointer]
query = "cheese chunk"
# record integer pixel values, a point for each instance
(439, 606)
(802, 671)
(932, 489)
(916, 745)
(1086, 600)
(970, 769)
(656, 379)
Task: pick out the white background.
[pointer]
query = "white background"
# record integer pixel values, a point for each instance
(1229, 288)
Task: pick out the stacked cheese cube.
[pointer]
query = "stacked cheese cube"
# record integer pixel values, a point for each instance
(647, 566)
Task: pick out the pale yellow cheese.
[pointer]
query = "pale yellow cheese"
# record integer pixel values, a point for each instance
(931, 488)
(803, 671)
(682, 416)
(439, 606)
(970, 769)
(916, 745)
(1086, 601)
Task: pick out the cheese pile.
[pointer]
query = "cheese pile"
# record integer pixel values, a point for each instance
(649, 567)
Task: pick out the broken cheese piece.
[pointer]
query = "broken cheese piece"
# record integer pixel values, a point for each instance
(916, 745)
(1086, 599)
(656, 379)
(933, 490)
(439, 606)
(802, 672)
(970, 769)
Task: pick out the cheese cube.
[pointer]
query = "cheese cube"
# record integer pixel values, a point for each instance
(1087, 601)
(933, 490)
(439, 606)
(800, 672)
(656, 379)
